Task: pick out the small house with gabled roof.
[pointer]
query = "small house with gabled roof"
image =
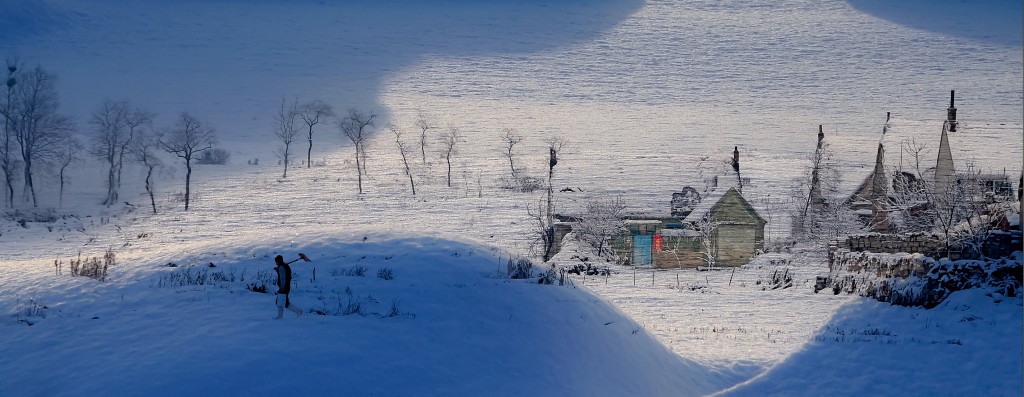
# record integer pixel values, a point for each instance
(739, 229)
(677, 241)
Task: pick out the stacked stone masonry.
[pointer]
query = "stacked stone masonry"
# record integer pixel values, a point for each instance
(892, 243)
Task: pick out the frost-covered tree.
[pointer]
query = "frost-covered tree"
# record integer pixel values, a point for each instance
(115, 125)
(964, 212)
(313, 113)
(819, 206)
(286, 127)
(601, 219)
(189, 137)
(69, 153)
(356, 127)
(959, 211)
(543, 229)
(449, 140)
(424, 124)
(9, 163)
(38, 128)
(909, 198)
(143, 150)
(554, 148)
(707, 230)
(510, 138)
(404, 152)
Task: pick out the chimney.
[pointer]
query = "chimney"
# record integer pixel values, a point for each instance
(951, 112)
(879, 185)
(736, 158)
(736, 167)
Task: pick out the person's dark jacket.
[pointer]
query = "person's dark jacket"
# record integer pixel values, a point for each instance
(284, 278)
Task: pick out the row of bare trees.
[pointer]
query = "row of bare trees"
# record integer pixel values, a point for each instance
(356, 126)
(36, 136)
(292, 119)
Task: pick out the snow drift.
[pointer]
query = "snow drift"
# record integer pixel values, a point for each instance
(447, 322)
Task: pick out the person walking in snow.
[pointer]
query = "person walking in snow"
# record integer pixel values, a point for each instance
(284, 282)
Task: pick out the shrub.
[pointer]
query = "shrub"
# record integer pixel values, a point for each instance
(214, 157)
(29, 311)
(93, 267)
(385, 274)
(520, 268)
(350, 271)
(550, 276)
(193, 275)
(393, 311)
(779, 277)
(525, 184)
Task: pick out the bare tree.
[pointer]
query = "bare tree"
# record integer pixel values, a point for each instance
(355, 127)
(510, 138)
(311, 114)
(554, 147)
(423, 124)
(959, 211)
(545, 214)
(136, 120)
(38, 128)
(110, 137)
(976, 212)
(964, 212)
(820, 160)
(404, 158)
(820, 208)
(544, 230)
(707, 230)
(909, 201)
(769, 205)
(449, 139)
(69, 153)
(188, 138)
(601, 219)
(920, 204)
(9, 163)
(286, 127)
(143, 151)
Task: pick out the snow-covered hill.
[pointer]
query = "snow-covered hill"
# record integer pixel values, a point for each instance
(640, 90)
(448, 321)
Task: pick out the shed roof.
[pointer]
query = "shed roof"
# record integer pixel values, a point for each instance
(709, 203)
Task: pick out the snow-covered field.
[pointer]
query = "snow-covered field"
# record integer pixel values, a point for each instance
(640, 91)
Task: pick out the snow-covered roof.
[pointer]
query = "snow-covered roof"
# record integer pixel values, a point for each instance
(641, 222)
(679, 233)
(709, 202)
(1013, 218)
(706, 203)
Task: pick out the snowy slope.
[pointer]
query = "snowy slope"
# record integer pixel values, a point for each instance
(641, 91)
(969, 345)
(460, 328)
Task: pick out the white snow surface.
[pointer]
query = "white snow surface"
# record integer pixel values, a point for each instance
(460, 329)
(640, 90)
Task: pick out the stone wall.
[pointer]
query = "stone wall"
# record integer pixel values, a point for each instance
(892, 243)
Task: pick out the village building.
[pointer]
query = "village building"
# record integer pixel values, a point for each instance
(870, 200)
(720, 229)
(881, 195)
